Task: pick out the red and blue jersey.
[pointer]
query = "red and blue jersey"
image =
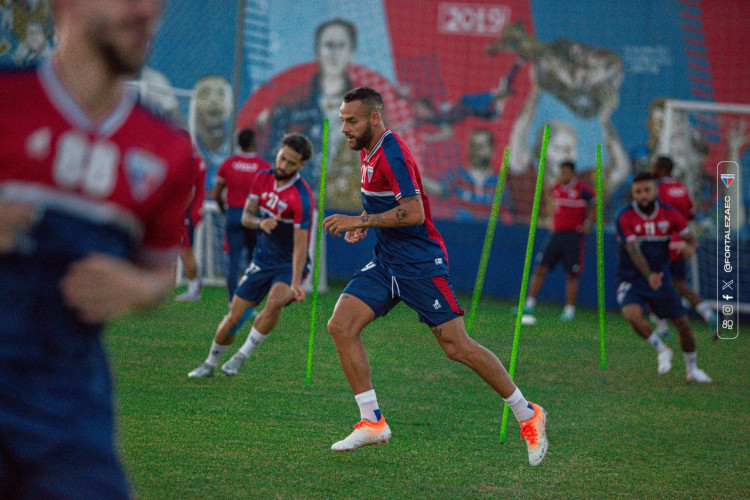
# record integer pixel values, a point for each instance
(653, 232)
(291, 204)
(389, 173)
(674, 193)
(570, 202)
(238, 172)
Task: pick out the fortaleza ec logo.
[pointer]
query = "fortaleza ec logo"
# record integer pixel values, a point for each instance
(727, 179)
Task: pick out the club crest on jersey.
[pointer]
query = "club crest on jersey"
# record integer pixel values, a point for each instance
(281, 207)
(663, 225)
(145, 172)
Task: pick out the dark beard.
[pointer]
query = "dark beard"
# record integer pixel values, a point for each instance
(119, 65)
(647, 208)
(280, 177)
(364, 140)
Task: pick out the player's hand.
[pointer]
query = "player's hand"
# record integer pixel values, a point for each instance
(654, 280)
(687, 250)
(339, 223)
(15, 219)
(355, 236)
(100, 287)
(268, 225)
(299, 293)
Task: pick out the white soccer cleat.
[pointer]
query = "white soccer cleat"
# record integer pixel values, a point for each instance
(232, 367)
(203, 371)
(365, 433)
(188, 297)
(528, 320)
(665, 361)
(534, 431)
(699, 376)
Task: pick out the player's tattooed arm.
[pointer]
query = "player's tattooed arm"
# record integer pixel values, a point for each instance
(636, 255)
(249, 214)
(409, 212)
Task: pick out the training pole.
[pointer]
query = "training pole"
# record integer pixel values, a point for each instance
(318, 239)
(488, 242)
(526, 270)
(600, 254)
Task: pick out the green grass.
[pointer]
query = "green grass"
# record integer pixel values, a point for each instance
(624, 432)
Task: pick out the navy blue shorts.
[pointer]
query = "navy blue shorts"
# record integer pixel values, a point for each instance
(258, 279)
(678, 269)
(432, 298)
(664, 302)
(566, 247)
(188, 231)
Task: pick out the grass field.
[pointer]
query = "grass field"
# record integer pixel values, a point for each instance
(624, 432)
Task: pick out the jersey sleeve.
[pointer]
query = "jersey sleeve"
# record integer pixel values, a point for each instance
(625, 230)
(222, 172)
(403, 178)
(256, 187)
(302, 215)
(679, 223)
(587, 193)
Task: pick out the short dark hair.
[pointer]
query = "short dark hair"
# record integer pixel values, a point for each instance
(643, 175)
(300, 144)
(369, 97)
(351, 31)
(569, 164)
(246, 139)
(664, 164)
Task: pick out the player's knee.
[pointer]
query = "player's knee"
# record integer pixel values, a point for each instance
(338, 329)
(457, 350)
(632, 314)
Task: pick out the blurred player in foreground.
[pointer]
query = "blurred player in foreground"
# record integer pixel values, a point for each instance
(644, 230)
(192, 218)
(236, 175)
(673, 193)
(280, 208)
(572, 201)
(92, 192)
(410, 264)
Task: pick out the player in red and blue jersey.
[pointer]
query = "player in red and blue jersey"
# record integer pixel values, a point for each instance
(236, 175)
(572, 200)
(279, 207)
(644, 229)
(673, 193)
(92, 192)
(192, 218)
(410, 265)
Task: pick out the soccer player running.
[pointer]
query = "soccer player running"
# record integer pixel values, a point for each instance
(410, 264)
(280, 208)
(92, 192)
(572, 200)
(673, 193)
(193, 216)
(644, 229)
(236, 175)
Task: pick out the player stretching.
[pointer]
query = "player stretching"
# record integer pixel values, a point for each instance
(410, 264)
(92, 192)
(644, 230)
(572, 219)
(673, 193)
(280, 207)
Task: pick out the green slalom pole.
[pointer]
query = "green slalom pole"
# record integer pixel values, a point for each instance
(488, 242)
(318, 239)
(600, 254)
(526, 270)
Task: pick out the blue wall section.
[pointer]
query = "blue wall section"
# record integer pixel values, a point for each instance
(505, 268)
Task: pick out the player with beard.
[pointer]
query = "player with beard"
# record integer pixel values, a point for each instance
(644, 230)
(92, 191)
(279, 206)
(411, 265)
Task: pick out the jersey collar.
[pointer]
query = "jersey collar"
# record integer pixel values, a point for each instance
(74, 113)
(377, 145)
(647, 217)
(288, 184)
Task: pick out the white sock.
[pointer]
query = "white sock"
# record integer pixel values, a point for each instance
(704, 309)
(521, 408)
(368, 405)
(215, 353)
(194, 286)
(691, 360)
(252, 341)
(569, 310)
(530, 302)
(661, 325)
(657, 343)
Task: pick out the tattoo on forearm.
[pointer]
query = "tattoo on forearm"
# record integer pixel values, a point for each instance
(401, 214)
(365, 218)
